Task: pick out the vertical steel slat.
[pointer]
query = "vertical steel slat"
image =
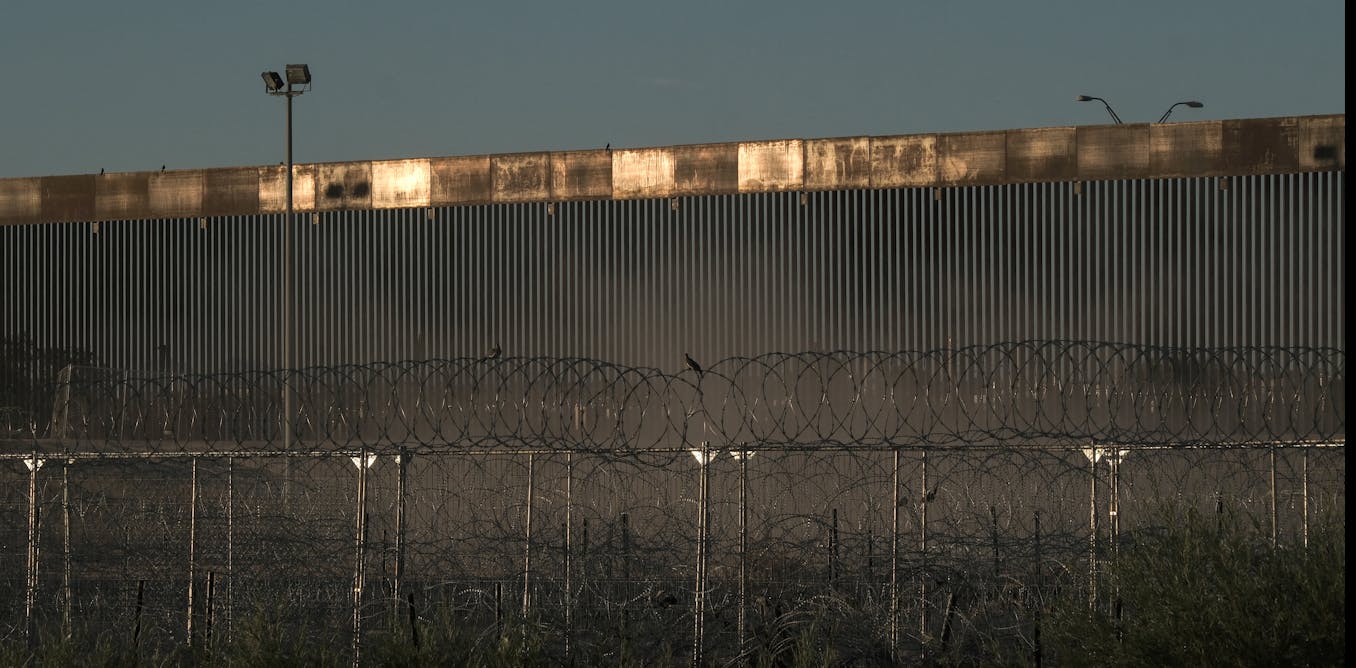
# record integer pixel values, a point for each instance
(1257, 274)
(1167, 261)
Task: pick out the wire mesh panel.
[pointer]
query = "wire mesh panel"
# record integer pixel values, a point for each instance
(716, 551)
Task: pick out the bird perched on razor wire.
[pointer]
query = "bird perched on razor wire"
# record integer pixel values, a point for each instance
(692, 364)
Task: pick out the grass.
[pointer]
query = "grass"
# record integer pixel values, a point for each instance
(1196, 590)
(1213, 591)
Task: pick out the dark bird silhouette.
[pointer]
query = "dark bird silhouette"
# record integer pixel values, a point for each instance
(101, 171)
(494, 353)
(162, 168)
(692, 364)
(608, 147)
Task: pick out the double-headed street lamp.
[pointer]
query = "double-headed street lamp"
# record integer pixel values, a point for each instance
(298, 81)
(1088, 98)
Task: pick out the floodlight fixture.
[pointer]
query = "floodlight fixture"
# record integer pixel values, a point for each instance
(1109, 110)
(1189, 103)
(298, 75)
(272, 81)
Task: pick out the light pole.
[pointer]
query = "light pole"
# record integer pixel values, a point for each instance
(297, 76)
(1190, 103)
(1088, 98)
(1109, 110)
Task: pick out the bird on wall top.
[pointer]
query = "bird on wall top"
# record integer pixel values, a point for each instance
(692, 364)
(101, 171)
(608, 147)
(162, 168)
(494, 352)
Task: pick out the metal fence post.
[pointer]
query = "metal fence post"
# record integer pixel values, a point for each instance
(31, 572)
(210, 609)
(1272, 455)
(403, 461)
(894, 558)
(569, 524)
(1304, 494)
(1114, 512)
(136, 619)
(230, 542)
(583, 583)
(833, 548)
(1092, 529)
(192, 545)
(923, 552)
(527, 539)
(626, 571)
(359, 538)
(1115, 515)
(1036, 653)
(743, 550)
(66, 604)
(699, 595)
(993, 524)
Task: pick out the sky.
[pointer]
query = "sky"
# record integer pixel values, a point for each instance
(134, 85)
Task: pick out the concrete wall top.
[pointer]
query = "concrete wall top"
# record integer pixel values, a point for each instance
(1084, 153)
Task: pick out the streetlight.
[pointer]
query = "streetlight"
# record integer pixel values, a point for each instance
(1190, 103)
(1089, 98)
(298, 81)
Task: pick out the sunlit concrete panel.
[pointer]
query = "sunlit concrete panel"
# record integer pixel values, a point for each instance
(703, 169)
(343, 185)
(639, 173)
(176, 194)
(1113, 151)
(122, 196)
(67, 198)
(903, 161)
(1261, 146)
(1323, 143)
(971, 158)
(460, 180)
(273, 188)
(581, 175)
(232, 191)
(1042, 154)
(1186, 149)
(400, 184)
(520, 177)
(771, 165)
(831, 164)
(20, 200)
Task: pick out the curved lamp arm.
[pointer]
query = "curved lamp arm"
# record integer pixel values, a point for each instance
(1109, 110)
(1190, 103)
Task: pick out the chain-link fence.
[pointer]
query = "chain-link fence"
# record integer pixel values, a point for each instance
(897, 504)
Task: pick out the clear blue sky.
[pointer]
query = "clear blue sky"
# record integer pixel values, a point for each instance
(129, 86)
